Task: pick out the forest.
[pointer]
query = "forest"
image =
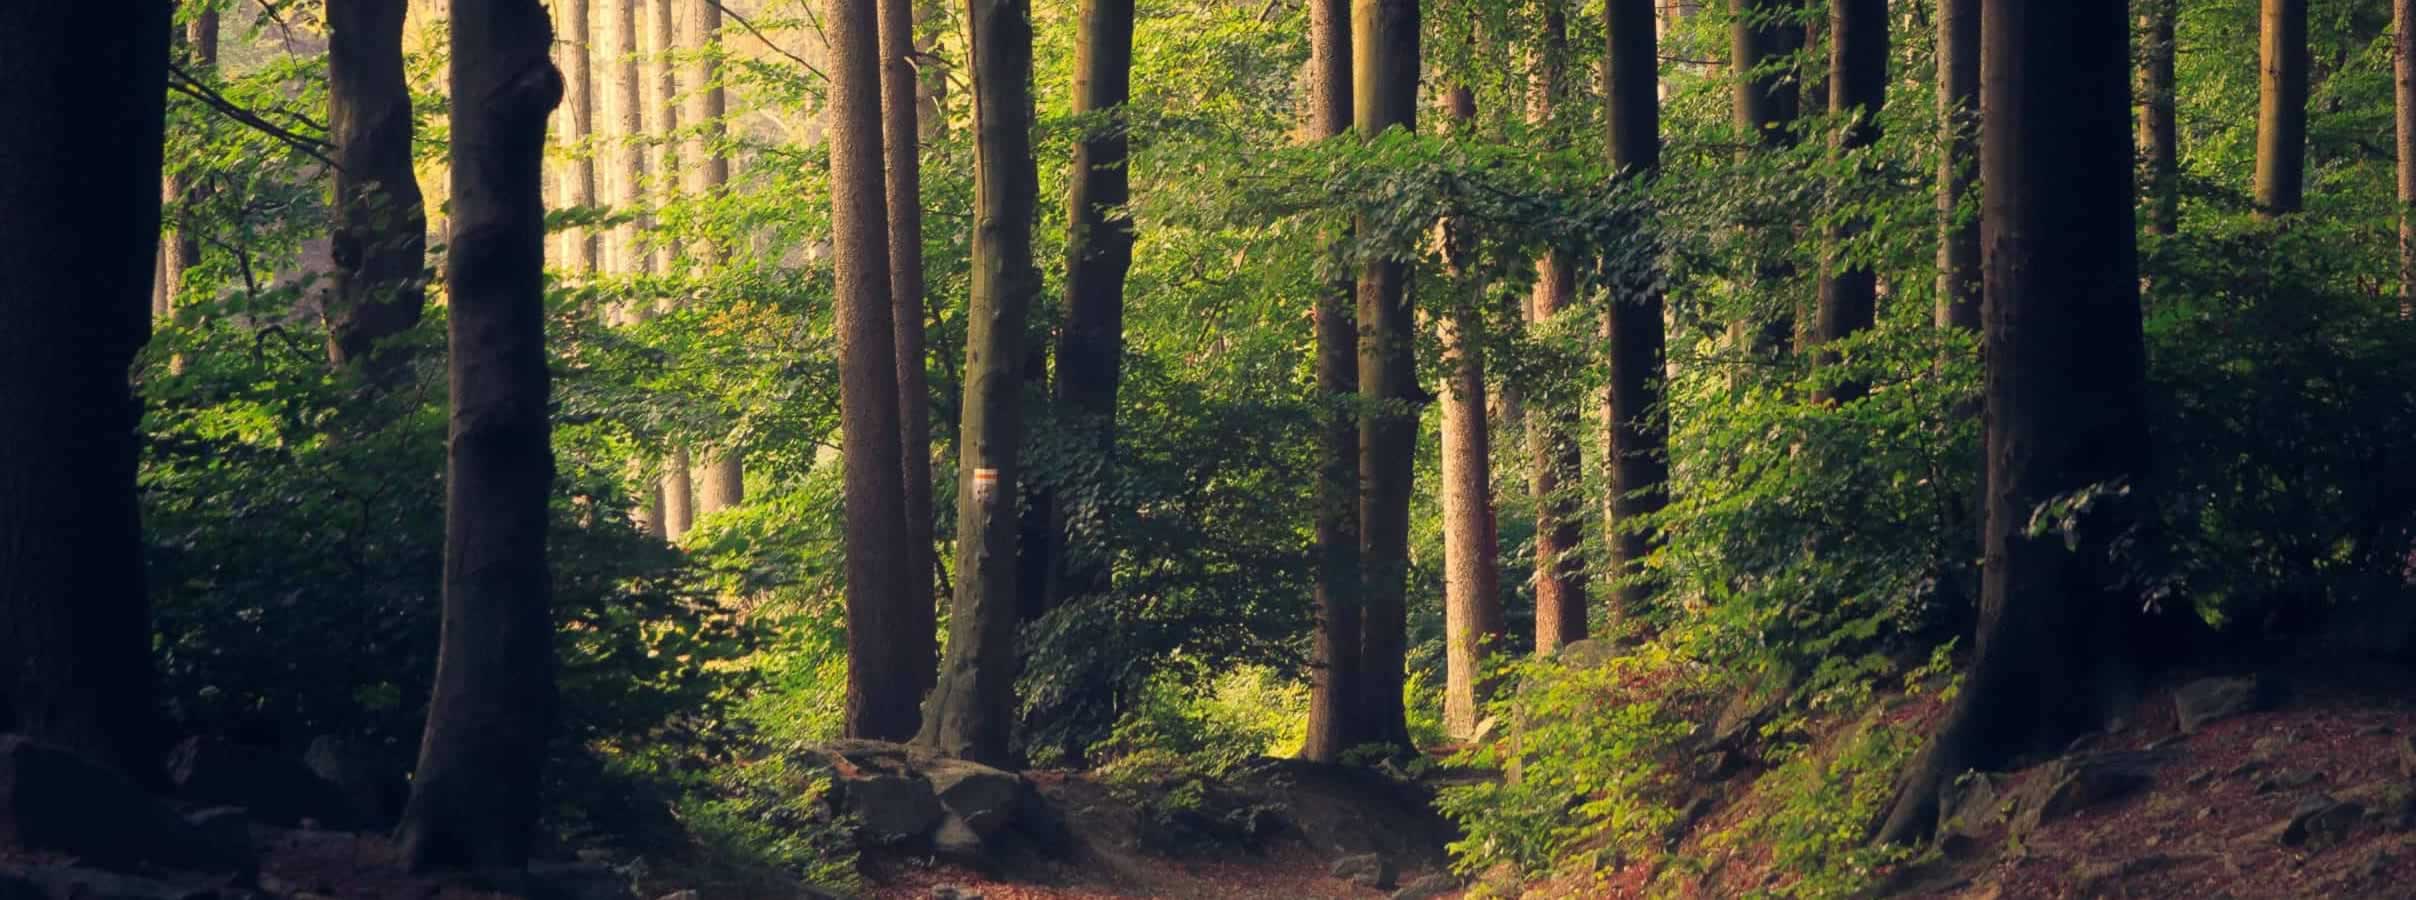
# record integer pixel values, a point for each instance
(699, 449)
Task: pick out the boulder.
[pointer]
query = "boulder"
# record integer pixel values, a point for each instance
(888, 808)
(2071, 784)
(1971, 806)
(1368, 870)
(954, 892)
(1428, 888)
(373, 789)
(276, 790)
(985, 798)
(1591, 653)
(958, 842)
(2210, 699)
(72, 883)
(229, 827)
(53, 800)
(2319, 821)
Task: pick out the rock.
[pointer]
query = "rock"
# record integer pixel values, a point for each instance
(2069, 785)
(276, 790)
(1972, 805)
(682, 895)
(2209, 699)
(1369, 870)
(53, 800)
(957, 841)
(71, 883)
(229, 827)
(953, 892)
(2320, 821)
(1695, 812)
(2268, 748)
(888, 808)
(1591, 653)
(1427, 888)
(1740, 720)
(985, 798)
(2287, 780)
(373, 790)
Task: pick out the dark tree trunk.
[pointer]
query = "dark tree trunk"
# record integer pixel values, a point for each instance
(79, 169)
(1958, 164)
(2159, 140)
(2065, 391)
(1472, 580)
(380, 243)
(1636, 435)
(883, 673)
(1090, 341)
(1858, 68)
(972, 710)
(918, 625)
(1385, 80)
(1764, 36)
(2403, 57)
(1554, 459)
(474, 796)
(2282, 108)
(1334, 676)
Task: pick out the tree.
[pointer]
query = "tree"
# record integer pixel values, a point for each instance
(1334, 669)
(380, 240)
(2066, 391)
(1764, 37)
(972, 709)
(627, 163)
(2159, 140)
(662, 119)
(881, 680)
(1384, 68)
(180, 251)
(474, 795)
(2282, 108)
(79, 168)
(1858, 70)
(580, 245)
(720, 481)
(1958, 163)
(1554, 459)
(1472, 579)
(901, 132)
(2403, 62)
(1635, 434)
(1099, 241)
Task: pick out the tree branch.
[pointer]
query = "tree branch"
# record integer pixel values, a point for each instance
(184, 83)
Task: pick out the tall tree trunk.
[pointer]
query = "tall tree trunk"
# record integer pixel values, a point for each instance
(901, 131)
(2282, 108)
(881, 676)
(78, 167)
(1472, 578)
(627, 128)
(380, 242)
(1554, 458)
(2159, 140)
(1764, 35)
(2065, 390)
(1384, 59)
(1636, 435)
(1858, 64)
(2403, 62)
(1090, 342)
(1335, 668)
(1958, 163)
(580, 256)
(972, 709)
(474, 795)
(180, 250)
(662, 120)
(720, 481)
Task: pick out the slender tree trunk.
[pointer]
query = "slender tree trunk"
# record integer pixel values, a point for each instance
(2403, 61)
(474, 795)
(720, 481)
(579, 176)
(2282, 108)
(380, 240)
(1763, 35)
(78, 167)
(1335, 668)
(1958, 163)
(1385, 61)
(901, 131)
(2159, 140)
(180, 250)
(1858, 68)
(628, 161)
(1090, 342)
(662, 122)
(2065, 390)
(972, 709)
(881, 675)
(1636, 435)
(1554, 459)
(1472, 578)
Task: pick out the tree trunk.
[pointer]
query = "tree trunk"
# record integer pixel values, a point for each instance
(881, 677)
(380, 240)
(474, 795)
(1090, 341)
(2158, 138)
(1384, 44)
(578, 189)
(628, 161)
(180, 250)
(1958, 163)
(1554, 459)
(662, 115)
(720, 481)
(973, 708)
(79, 164)
(901, 112)
(1335, 667)
(1636, 435)
(1858, 69)
(2282, 108)
(1472, 578)
(2403, 56)
(1764, 36)
(2065, 391)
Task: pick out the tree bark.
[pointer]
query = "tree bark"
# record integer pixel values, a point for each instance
(972, 710)
(180, 250)
(1335, 667)
(1472, 579)
(1554, 459)
(1385, 61)
(2282, 108)
(580, 256)
(474, 796)
(1858, 69)
(79, 164)
(901, 132)
(1099, 241)
(2159, 140)
(2403, 63)
(720, 480)
(628, 161)
(1636, 435)
(2066, 376)
(1763, 36)
(1958, 163)
(380, 240)
(662, 115)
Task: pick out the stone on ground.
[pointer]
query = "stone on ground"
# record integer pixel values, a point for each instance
(1428, 888)
(2210, 699)
(1370, 870)
(888, 808)
(985, 798)
(275, 790)
(373, 790)
(53, 800)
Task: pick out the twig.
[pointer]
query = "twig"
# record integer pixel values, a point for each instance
(184, 83)
(767, 41)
